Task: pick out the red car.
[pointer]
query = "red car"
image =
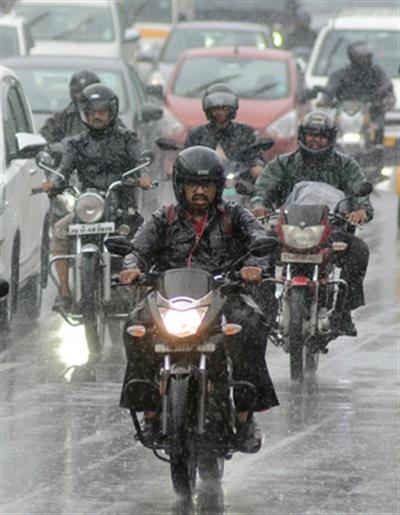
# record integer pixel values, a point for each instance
(264, 80)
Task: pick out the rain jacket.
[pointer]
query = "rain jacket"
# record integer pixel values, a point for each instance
(369, 84)
(100, 159)
(65, 123)
(234, 140)
(282, 173)
(169, 241)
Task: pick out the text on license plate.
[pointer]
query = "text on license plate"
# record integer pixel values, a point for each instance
(288, 257)
(100, 228)
(204, 347)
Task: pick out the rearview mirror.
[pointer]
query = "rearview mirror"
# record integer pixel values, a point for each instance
(28, 145)
(147, 155)
(118, 245)
(167, 144)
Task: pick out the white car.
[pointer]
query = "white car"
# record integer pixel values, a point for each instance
(15, 37)
(79, 27)
(24, 224)
(329, 53)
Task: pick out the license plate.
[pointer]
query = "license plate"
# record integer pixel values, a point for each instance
(288, 257)
(204, 347)
(84, 229)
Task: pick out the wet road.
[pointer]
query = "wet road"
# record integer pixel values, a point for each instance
(332, 447)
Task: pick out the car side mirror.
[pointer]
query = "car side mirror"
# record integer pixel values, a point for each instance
(167, 144)
(118, 245)
(147, 155)
(131, 35)
(152, 112)
(28, 145)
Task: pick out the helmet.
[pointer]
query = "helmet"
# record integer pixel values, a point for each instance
(220, 95)
(197, 164)
(360, 54)
(97, 97)
(80, 80)
(317, 122)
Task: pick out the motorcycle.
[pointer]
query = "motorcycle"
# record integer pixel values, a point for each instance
(194, 380)
(97, 214)
(239, 185)
(309, 304)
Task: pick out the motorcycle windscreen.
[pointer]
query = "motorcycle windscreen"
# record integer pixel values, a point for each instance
(313, 193)
(185, 282)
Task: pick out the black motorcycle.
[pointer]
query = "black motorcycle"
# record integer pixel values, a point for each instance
(194, 381)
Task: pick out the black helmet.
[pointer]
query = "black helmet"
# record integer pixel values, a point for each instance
(80, 80)
(98, 98)
(317, 122)
(360, 54)
(197, 164)
(220, 95)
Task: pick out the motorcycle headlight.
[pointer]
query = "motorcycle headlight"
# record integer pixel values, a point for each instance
(302, 239)
(181, 321)
(90, 207)
(351, 137)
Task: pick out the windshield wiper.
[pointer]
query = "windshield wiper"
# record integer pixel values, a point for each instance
(210, 83)
(67, 32)
(261, 89)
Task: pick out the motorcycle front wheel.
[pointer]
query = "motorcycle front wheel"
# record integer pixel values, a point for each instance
(297, 349)
(182, 449)
(93, 319)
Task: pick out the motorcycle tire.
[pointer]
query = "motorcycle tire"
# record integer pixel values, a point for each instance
(182, 448)
(93, 320)
(297, 303)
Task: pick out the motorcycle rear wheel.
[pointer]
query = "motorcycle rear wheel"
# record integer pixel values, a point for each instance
(183, 453)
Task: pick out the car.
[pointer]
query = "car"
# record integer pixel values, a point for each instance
(24, 222)
(381, 30)
(91, 27)
(264, 80)
(15, 37)
(46, 79)
(205, 34)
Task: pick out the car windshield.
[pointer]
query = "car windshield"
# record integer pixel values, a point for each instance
(183, 39)
(8, 42)
(261, 79)
(68, 22)
(333, 53)
(48, 88)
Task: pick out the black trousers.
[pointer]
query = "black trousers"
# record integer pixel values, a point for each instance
(246, 350)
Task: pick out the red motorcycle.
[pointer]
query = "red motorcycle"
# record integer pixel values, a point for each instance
(309, 307)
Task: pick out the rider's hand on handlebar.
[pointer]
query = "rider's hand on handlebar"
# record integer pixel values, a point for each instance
(357, 217)
(256, 171)
(129, 276)
(145, 182)
(251, 274)
(260, 211)
(47, 186)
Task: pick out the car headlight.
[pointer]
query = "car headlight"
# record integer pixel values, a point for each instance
(90, 207)
(181, 321)
(284, 127)
(302, 239)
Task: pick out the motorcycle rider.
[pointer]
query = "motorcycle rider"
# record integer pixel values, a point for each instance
(100, 154)
(228, 138)
(68, 122)
(316, 159)
(192, 233)
(363, 80)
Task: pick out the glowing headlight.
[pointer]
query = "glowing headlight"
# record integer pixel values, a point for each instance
(90, 207)
(182, 323)
(351, 137)
(301, 239)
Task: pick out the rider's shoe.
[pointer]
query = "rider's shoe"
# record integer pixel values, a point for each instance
(347, 326)
(63, 302)
(248, 436)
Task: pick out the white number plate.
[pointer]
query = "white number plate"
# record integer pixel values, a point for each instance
(101, 228)
(288, 257)
(204, 347)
